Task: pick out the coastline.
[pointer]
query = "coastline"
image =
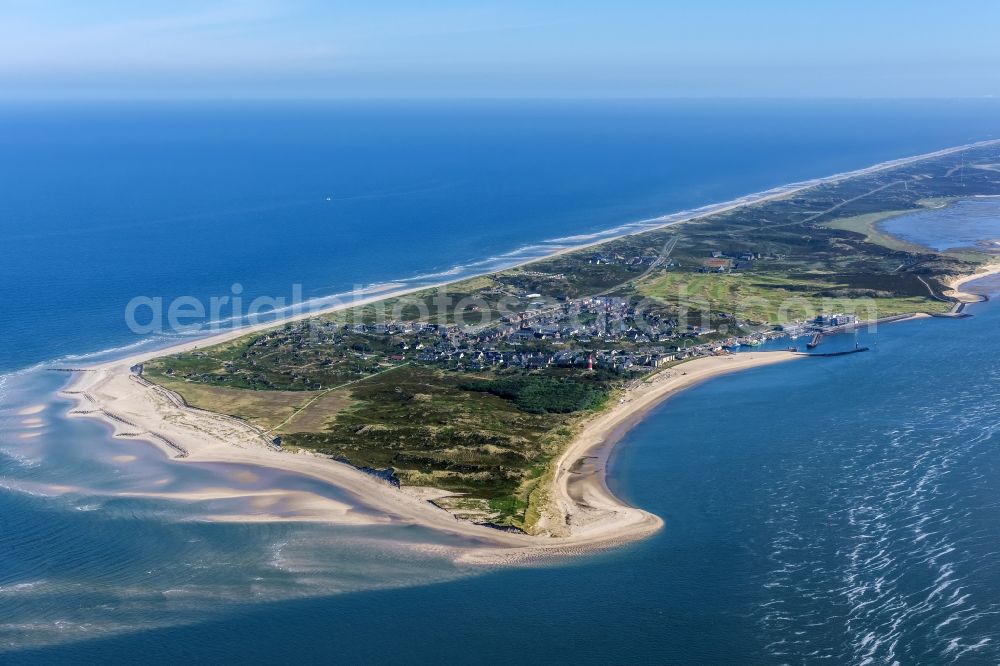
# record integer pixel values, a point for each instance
(956, 283)
(592, 515)
(589, 516)
(214, 336)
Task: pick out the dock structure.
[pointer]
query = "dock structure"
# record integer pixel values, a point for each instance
(816, 339)
(856, 350)
(958, 308)
(957, 311)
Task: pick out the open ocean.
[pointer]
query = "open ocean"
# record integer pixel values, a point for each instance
(845, 510)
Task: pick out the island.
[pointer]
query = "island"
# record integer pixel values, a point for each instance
(488, 406)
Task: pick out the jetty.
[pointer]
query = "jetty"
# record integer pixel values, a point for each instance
(856, 350)
(958, 310)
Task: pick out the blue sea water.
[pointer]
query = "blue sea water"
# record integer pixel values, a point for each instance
(105, 203)
(967, 223)
(839, 509)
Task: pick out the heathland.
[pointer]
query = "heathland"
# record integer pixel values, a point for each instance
(477, 388)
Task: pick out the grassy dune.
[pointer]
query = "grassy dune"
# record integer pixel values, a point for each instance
(489, 434)
(769, 298)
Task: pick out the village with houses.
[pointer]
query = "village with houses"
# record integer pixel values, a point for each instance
(610, 333)
(477, 386)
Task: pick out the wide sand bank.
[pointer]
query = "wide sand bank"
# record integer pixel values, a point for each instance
(582, 514)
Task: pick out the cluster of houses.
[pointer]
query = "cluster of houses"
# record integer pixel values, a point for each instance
(835, 320)
(562, 335)
(593, 332)
(602, 318)
(616, 359)
(819, 324)
(545, 336)
(723, 262)
(613, 259)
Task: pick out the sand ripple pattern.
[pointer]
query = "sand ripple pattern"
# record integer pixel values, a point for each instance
(79, 562)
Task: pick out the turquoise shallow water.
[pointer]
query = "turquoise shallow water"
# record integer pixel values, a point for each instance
(842, 509)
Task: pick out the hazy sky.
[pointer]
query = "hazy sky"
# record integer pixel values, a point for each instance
(513, 48)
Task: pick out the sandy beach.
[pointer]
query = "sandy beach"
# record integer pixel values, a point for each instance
(582, 512)
(375, 293)
(956, 283)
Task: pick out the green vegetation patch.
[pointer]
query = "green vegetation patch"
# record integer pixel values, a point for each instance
(543, 395)
(265, 409)
(476, 387)
(775, 298)
(434, 431)
(868, 225)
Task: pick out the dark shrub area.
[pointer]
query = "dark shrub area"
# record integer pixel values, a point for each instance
(542, 395)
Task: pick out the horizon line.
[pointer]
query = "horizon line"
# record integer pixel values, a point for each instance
(306, 99)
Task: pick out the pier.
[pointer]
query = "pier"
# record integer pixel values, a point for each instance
(957, 311)
(856, 350)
